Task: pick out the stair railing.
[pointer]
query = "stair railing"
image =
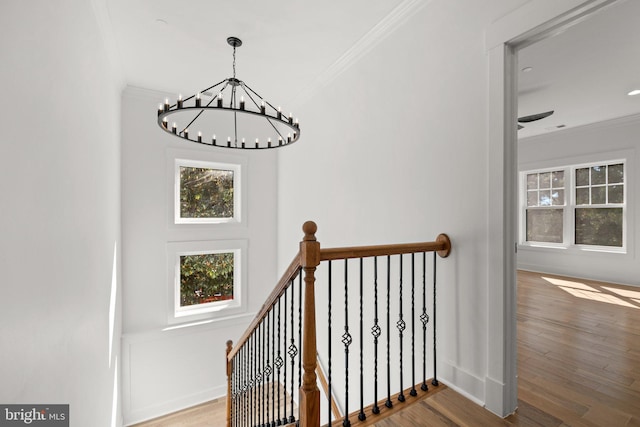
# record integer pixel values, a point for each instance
(262, 381)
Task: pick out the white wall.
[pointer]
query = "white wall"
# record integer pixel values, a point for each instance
(395, 150)
(169, 369)
(610, 140)
(60, 216)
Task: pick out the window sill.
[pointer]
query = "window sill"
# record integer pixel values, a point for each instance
(573, 249)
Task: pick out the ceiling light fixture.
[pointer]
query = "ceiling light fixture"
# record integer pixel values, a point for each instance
(234, 111)
(634, 92)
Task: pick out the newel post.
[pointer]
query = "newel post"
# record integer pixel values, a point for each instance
(309, 393)
(229, 373)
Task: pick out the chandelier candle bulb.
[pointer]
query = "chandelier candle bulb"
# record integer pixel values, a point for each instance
(256, 142)
(279, 113)
(288, 138)
(213, 139)
(290, 118)
(174, 128)
(160, 109)
(198, 100)
(269, 143)
(180, 102)
(296, 123)
(164, 123)
(279, 141)
(219, 99)
(228, 141)
(186, 133)
(199, 136)
(166, 104)
(262, 108)
(242, 102)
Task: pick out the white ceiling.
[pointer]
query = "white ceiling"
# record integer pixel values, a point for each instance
(583, 74)
(291, 48)
(287, 45)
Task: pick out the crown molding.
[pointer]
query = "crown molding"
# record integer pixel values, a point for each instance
(398, 16)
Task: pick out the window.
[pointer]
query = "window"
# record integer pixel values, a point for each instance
(206, 236)
(545, 206)
(599, 205)
(206, 192)
(206, 278)
(581, 205)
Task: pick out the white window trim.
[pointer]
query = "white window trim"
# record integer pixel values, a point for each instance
(214, 310)
(569, 209)
(185, 231)
(237, 191)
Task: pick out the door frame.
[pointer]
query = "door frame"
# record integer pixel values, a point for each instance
(534, 21)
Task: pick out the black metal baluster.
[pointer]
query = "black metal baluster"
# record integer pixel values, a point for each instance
(293, 351)
(329, 392)
(261, 375)
(388, 403)
(272, 422)
(435, 377)
(241, 388)
(300, 332)
(424, 318)
(346, 340)
(361, 415)
(251, 382)
(375, 331)
(284, 343)
(400, 324)
(242, 407)
(413, 391)
(267, 368)
(279, 360)
(258, 376)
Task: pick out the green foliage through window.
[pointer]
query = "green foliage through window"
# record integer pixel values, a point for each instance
(206, 193)
(206, 278)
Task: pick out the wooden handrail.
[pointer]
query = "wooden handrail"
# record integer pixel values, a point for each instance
(442, 245)
(290, 273)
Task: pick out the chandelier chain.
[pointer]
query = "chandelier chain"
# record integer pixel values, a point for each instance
(234, 62)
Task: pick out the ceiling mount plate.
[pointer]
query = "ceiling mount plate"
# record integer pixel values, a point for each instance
(234, 41)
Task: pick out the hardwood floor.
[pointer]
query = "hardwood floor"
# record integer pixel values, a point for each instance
(578, 364)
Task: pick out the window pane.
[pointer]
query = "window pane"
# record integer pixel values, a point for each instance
(532, 181)
(582, 177)
(598, 175)
(532, 198)
(206, 278)
(582, 196)
(598, 195)
(544, 225)
(557, 180)
(616, 173)
(557, 196)
(544, 198)
(599, 226)
(206, 193)
(545, 180)
(616, 193)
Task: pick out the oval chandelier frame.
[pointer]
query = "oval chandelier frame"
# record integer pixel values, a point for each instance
(285, 129)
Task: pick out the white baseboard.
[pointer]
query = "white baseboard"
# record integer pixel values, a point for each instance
(463, 382)
(165, 408)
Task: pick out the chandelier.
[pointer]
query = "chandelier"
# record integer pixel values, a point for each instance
(229, 114)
